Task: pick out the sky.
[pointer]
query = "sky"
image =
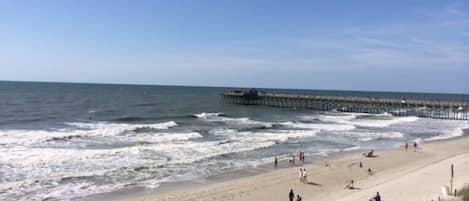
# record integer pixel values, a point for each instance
(399, 45)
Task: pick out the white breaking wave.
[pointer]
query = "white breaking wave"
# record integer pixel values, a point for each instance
(204, 115)
(266, 136)
(368, 136)
(352, 148)
(152, 155)
(382, 120)
(319, 126)
(222, 131)
(102, 129)
(448, 134)
(335, 118)
(24, 156)
(381, 123)
(122, 126)
(277, 136)
(165, 137)
(215, 117)
(54, 164)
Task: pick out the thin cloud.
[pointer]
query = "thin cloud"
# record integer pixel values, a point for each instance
(422, 44)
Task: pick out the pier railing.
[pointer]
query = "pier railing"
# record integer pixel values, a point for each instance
(457, 110)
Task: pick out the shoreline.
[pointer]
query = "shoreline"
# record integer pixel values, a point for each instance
(235, 181)
(134, 193)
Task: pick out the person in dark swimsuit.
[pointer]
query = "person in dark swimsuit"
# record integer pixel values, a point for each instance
(275, 161)
(291, 195)
(378, 197)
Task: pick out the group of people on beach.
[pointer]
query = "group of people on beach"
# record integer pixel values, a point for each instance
(301, 157)
(302, 175)
(291, 196)
(406, 146)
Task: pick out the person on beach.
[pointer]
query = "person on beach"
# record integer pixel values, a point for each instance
(291, 195)
(370, 172)
(350, 185)
(298, 198)
(406, 145)
(415, 146)
(369, 154)
(304, 176)
(276, 162)
(293, 159)
(360, 164)
(377, 197)
(300, 175)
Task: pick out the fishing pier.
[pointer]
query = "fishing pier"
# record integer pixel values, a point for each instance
(399, 107)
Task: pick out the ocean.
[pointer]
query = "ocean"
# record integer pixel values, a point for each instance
(62, 141)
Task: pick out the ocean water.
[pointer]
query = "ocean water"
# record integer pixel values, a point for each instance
(68, 141)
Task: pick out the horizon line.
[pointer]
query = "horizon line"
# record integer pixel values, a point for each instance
(211, 86)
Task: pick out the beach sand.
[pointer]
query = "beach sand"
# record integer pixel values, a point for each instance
(399, 175)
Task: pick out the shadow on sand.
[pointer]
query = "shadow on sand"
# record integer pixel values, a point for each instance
(314, 184)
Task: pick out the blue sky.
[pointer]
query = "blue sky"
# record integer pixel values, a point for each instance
(349, 45)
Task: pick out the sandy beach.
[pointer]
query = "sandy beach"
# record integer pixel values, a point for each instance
(398, 175)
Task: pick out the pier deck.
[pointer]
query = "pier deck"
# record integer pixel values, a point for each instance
(399, 107)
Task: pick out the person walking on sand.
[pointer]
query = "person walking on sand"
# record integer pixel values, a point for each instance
(406, 145)
(300, 175)
(415, 146)
(291, 195)
(378, 197)
(304, 176)
(276, 162)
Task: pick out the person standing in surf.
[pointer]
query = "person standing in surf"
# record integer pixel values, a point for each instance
(276, 162)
